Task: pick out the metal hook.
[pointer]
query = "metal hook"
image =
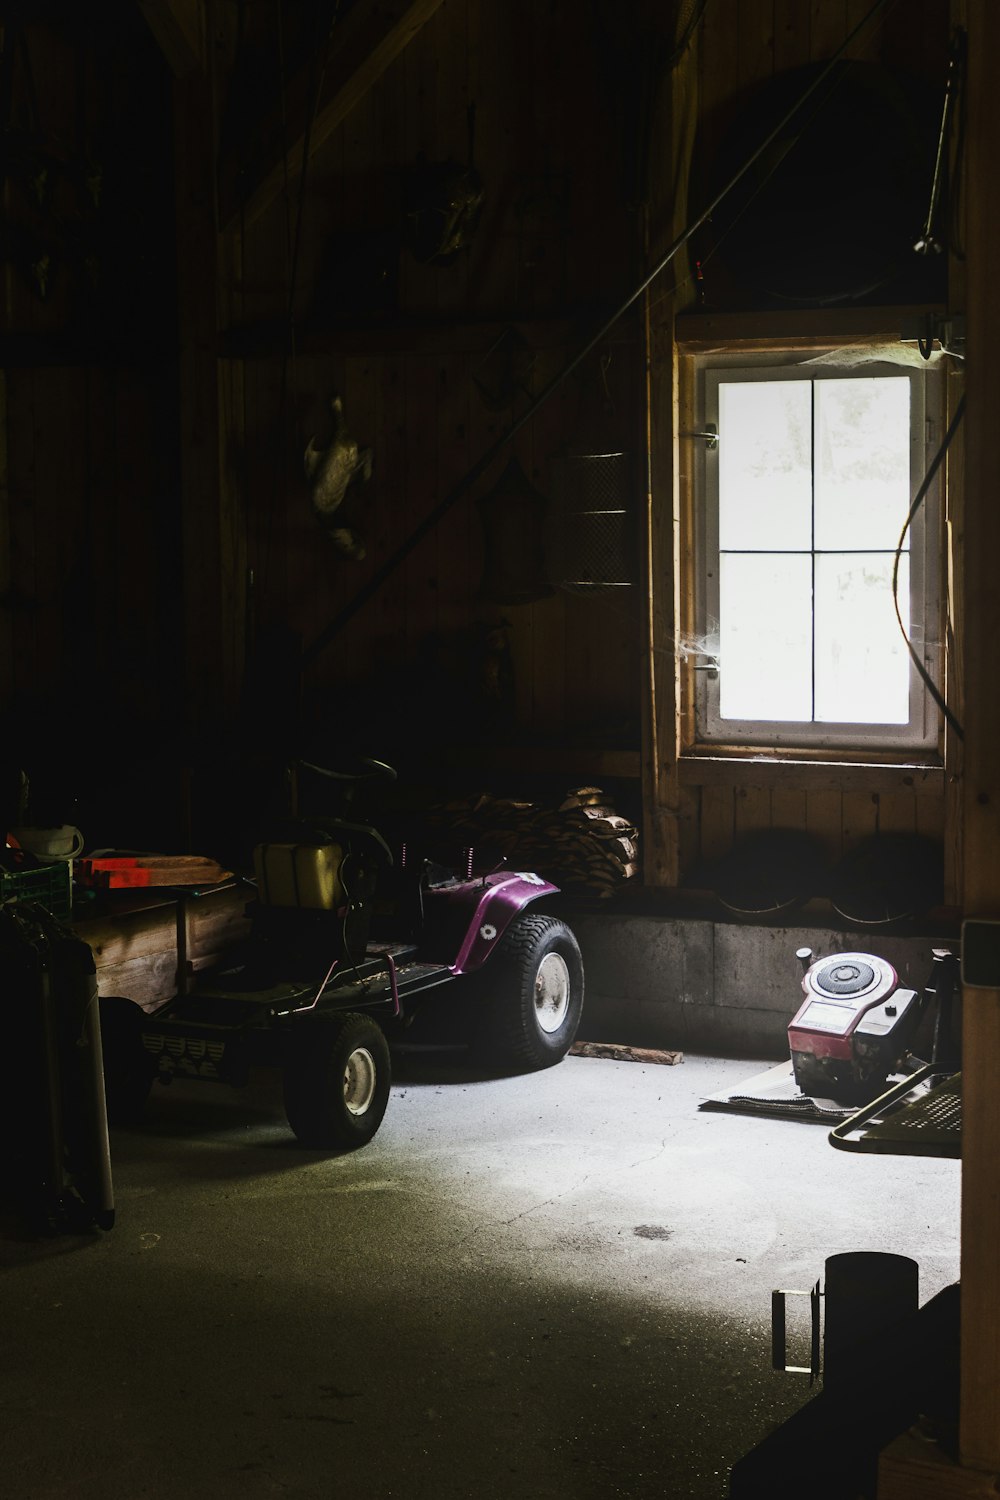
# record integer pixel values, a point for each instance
(710, 434)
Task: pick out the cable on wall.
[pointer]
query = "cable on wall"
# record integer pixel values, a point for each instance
(918, 500)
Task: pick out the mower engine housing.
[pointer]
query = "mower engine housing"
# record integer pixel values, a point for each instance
(852, 1028)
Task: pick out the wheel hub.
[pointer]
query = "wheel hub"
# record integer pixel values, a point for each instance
(552, 989)
(359, 1081)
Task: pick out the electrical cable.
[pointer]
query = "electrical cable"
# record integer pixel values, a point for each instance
(478, 469)
(918, 500)
(928, 241)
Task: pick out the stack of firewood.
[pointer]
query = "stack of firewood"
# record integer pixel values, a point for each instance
(583, 845)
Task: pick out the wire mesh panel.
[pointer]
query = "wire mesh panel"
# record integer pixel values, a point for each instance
(590, 543)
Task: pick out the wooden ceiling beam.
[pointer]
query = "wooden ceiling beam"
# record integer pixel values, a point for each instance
(179, 28)
(370, 37)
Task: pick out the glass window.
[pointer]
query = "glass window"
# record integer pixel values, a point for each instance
(805, 556)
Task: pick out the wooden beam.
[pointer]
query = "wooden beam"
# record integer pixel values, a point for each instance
(980, 1381)
(781, 774)
(370, 37)
(665, 804)
(179, 28)
(783, 328)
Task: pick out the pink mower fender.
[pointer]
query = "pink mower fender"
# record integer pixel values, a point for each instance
(495, 900)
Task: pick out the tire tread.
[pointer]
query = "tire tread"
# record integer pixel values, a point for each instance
(506, 1037)
(311, 1106)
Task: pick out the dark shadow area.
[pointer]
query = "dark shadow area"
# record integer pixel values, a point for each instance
(496, 1382)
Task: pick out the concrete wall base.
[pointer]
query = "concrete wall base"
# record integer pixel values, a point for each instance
(714, 987)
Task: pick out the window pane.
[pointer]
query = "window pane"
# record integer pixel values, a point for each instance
(765, 465)
(862, 665)
(765, 637)
(862, 461)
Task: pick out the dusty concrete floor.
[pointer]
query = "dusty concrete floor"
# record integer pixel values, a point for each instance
(556, 1287)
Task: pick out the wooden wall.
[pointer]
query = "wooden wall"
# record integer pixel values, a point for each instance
(979, 1433)
(552, 255)
(694, 813)
(116, 447)
(162, 569)
(89, 588)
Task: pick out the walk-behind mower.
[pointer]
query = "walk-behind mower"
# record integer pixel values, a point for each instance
(348, 939)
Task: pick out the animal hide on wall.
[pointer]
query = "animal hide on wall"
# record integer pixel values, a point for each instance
(334, 471)
(444, 202)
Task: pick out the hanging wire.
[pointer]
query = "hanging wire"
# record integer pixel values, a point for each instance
(929, 243)
(478, 469)
(918, 500)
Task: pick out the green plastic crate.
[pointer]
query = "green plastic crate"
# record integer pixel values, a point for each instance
(49, 885)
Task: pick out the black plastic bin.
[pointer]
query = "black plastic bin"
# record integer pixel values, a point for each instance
(58, 1157)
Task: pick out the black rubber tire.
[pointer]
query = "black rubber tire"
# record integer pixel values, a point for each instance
(514, 1032)
(128, 1067)
(319, 1078)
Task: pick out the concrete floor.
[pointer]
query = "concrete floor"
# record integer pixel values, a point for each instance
(556, 1287)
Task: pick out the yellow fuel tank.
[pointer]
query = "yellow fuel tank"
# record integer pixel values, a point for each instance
(302, 875)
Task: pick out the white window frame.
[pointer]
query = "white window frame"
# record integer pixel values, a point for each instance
(922, 735)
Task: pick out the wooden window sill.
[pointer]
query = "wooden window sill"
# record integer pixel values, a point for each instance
(786, 773)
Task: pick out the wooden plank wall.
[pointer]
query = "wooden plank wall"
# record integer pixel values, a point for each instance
(93, 621)
(88, 542)
(838, 818)
(553, 252)
(743, 43)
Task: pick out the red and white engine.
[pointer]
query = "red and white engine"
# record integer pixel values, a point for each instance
(853, 1027)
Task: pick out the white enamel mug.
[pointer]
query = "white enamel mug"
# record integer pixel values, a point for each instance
(50, 844)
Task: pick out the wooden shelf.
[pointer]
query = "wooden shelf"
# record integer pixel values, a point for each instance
(786, 772)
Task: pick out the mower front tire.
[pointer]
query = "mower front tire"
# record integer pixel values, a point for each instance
(534, 995)
(336, 1084)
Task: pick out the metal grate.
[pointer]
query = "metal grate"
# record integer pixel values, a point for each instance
(589, 542)
(936, 1118)
(929, 1123)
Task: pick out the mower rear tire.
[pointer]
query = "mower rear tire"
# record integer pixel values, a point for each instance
(534, 995)
(336, 1084)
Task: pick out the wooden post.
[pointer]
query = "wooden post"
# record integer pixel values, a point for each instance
(661, 792)
(909, 1470)
(980, 1388)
